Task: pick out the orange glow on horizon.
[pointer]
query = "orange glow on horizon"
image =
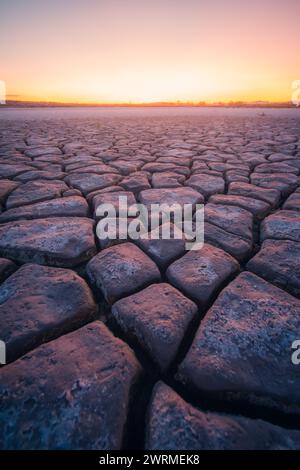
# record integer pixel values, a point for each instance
(116, 52)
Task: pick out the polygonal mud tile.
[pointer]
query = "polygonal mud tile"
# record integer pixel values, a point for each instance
(116, 199)
(258, 208)
(238, 247)
(292, 202)
(58, 241)
(174, 424)
(167, 179)
(154, 167)
(38, 151)
(72, 393)
(176, 196)
(158, 318)
(206, 184)
(163, 250)
(201, 273)
(243, 347)
(121, 270)
(284, 182)
(282, 225)
(136, 182)
(35, 191)
(40, 175)
(276, 167)
(38, 303)
(72, 206)
(88, 182)
(12, 170)
(232, 219)
(271, 196)
(278, 261)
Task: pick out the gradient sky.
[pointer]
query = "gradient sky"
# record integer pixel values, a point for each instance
(149, 50)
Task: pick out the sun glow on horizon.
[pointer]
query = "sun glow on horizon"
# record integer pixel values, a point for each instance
(114, 51)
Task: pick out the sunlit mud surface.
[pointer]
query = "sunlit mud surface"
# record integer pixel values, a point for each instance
(125, 344)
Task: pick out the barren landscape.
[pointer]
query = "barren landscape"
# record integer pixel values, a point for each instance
(143, 344)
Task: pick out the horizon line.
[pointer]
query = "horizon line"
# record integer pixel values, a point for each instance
(237, 103)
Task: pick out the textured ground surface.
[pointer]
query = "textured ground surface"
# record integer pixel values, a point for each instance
(142, 344)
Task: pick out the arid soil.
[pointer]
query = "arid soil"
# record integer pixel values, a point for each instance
(142, 344)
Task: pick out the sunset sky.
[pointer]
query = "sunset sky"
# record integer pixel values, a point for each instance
(146, 51)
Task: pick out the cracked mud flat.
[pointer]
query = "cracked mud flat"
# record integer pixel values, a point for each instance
(142, 344)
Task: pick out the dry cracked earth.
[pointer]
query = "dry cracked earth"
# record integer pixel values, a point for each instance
(142, 344)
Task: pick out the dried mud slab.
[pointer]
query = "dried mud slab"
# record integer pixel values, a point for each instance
(292, 202)
(158, 318)
(232, 219)
(199, 274)
(72, 206)
(238, 247)
(161, 298)
(206, 184)
(121, 270)
(88, 182)
(278, 262)
(282, 225)
(271, 196)
(39, 303)
(35, 191)
(258, 208)
(284, 182)
(175, 196)
(57, 241)
(163, 251)
(176, 425)
(243, 346)
(72, 393)
(113, 198)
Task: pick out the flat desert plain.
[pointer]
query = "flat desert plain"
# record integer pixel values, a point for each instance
(139, 343)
